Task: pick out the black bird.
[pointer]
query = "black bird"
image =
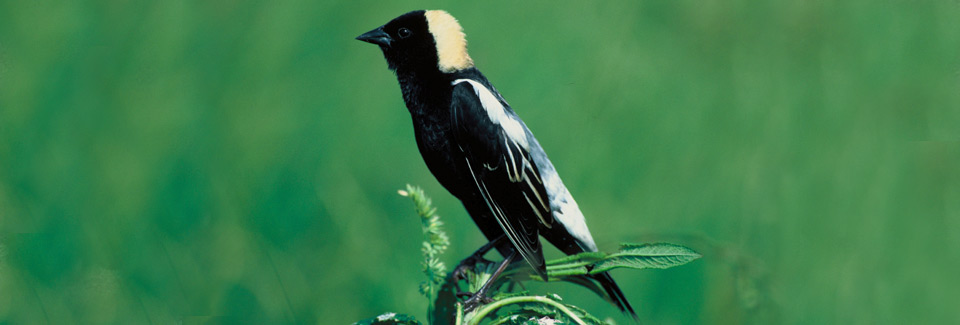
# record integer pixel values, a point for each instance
(479, 149)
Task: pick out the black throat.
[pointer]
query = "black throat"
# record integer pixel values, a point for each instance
(426, 93)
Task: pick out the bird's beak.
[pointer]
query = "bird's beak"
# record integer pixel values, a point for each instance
(376, 36)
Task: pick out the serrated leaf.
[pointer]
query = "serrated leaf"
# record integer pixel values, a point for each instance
(537, 309)
(658, 256)
(540, 311)
(584, 315)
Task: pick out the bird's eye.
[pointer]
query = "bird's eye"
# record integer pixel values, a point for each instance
(403, 32)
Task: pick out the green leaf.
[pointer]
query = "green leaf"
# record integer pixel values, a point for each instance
(528, 307)
(518, 307)
(586, 257)
(657, 256)
(511, 319)
(444, 308)
(389, 318)
(573, 264)
(584, 315)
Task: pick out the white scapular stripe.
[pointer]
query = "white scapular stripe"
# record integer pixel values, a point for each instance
(498, 114)
(564, 207)
(568, 213)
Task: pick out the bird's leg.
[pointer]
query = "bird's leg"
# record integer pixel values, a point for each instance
(480, 297)
(470, 262)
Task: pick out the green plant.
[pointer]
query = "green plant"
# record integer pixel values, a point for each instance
(512, 306)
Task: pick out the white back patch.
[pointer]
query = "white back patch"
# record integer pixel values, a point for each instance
(568, 213)
(451, 42)
(498, 114)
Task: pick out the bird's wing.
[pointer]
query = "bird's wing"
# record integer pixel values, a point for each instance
(496, 146)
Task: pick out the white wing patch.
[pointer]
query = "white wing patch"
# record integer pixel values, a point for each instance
(566, 210)
(498, 114)
(564, 207)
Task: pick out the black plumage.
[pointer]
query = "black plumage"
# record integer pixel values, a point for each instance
(478, 148)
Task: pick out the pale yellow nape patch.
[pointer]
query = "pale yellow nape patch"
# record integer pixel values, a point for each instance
(451, 42)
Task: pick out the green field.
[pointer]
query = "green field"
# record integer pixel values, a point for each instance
(238, 161)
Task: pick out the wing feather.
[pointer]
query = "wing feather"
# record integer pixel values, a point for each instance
(490, 136)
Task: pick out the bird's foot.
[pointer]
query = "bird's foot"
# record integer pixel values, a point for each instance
(460, 273)
(467, 264)
(471, 262)
(476, 300)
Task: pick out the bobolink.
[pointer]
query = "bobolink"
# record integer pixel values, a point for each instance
(479, 149)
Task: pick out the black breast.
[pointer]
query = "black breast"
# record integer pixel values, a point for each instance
(428, 100)
(441, 155)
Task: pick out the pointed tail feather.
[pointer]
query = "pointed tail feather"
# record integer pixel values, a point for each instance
(616, 296)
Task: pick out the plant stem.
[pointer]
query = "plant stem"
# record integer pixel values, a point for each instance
(482, 312)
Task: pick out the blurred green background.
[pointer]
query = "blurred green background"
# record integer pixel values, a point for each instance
(238, 161)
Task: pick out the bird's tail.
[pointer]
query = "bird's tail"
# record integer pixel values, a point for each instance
(616, 296)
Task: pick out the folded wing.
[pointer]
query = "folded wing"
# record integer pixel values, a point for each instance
(496, 148)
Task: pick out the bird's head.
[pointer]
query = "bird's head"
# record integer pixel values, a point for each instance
(422, 39)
